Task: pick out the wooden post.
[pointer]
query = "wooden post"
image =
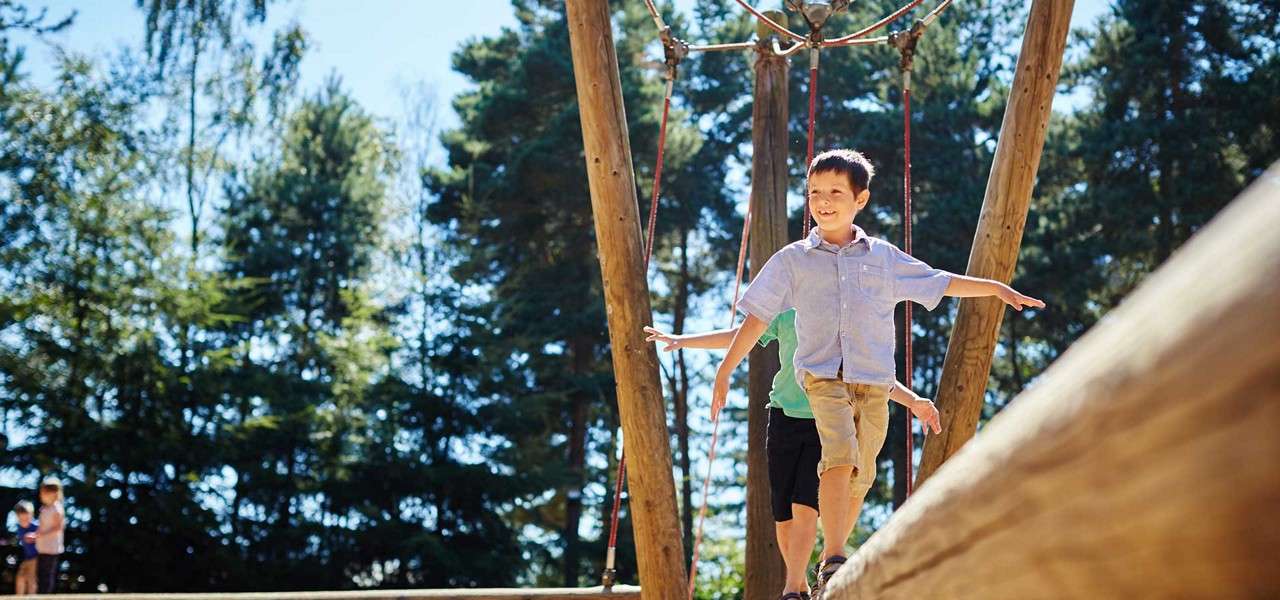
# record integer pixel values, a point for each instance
(765, 571)
(1140, 465)
(999, 234)
(652, 497)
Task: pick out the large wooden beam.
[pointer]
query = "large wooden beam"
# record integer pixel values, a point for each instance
(659, 549)
(1141, 465)
(619, 592)
(1000, 224)
(765, 572)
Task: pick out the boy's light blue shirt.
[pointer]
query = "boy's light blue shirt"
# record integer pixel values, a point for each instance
(844, 299)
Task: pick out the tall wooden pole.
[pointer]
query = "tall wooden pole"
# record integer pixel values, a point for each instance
(659, 551)
(999, 235)
(765, 571)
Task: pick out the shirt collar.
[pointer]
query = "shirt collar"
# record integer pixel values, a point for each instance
(815, 239)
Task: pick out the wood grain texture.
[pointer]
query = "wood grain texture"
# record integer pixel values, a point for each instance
(651, 485)
(999, 234)
(1142, 464)
(620, 592)
(765, 572)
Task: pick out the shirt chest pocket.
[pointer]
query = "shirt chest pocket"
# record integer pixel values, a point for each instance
(874, 282)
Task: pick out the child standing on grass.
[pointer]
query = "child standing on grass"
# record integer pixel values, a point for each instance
(48, 536)
(25, 582)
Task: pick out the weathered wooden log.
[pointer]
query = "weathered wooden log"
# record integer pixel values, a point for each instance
(999, 233)
(652, 491)
(765, 572)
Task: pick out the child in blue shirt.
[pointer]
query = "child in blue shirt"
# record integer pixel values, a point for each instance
(843, 285)
(25, 582)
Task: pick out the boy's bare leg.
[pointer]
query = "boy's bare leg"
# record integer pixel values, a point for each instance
(795, 540)
(834, 501)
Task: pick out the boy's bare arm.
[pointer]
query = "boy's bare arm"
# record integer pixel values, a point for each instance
(922, 408)
(748, 334)
(711, 340)
(963, 286)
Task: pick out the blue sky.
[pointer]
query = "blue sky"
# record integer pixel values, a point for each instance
(377, 48)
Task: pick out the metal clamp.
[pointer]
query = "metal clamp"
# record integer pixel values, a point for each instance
(674, 49)
(816, 12)
(905, 42)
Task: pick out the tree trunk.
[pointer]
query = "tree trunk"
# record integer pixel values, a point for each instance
(765, 571)
(1004, 214)
(680, 389)
(895, 441)
(573, 494)
(192, 205)
(659, 551)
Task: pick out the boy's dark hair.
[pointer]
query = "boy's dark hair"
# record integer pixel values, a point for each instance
(850, 163)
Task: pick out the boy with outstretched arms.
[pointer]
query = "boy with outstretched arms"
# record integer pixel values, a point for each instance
(844, 286)
(792, 445)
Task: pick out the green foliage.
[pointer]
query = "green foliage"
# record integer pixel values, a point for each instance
(343, 387)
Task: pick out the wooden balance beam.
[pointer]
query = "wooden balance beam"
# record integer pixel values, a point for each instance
(1142, 464)
(619, 592)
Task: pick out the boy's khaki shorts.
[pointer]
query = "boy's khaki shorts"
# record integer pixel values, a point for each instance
(25, 583)
(852, 420)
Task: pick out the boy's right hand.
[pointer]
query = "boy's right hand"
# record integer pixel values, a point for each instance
(719, 392)
(673, 342)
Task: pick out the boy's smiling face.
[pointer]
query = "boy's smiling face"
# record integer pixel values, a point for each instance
(24, 519)
(833, 203)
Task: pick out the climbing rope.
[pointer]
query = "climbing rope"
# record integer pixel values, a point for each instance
(906, 244)
(845, 40)
(813, 118)
(715, 417)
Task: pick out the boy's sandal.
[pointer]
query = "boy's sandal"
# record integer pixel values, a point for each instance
(828, 568)
(794, 596)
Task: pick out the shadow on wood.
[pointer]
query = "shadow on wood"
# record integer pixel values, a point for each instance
(1140, 465)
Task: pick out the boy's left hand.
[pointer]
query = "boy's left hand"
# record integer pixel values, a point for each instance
(1017, 300)
(672, 342)
(928, 414)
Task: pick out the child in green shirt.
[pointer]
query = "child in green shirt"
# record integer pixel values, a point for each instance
(792, 444)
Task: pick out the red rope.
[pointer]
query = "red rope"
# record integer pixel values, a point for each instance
(657, 171)
(702, 512)
(617, 499)
(648, 254)
(813, 115)
(874, 26)
(742, 259)
(715, 419)
(906, 235)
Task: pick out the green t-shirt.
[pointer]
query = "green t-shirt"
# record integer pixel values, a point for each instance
(786, 393)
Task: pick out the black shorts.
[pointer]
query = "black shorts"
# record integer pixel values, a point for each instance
(794, 450)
